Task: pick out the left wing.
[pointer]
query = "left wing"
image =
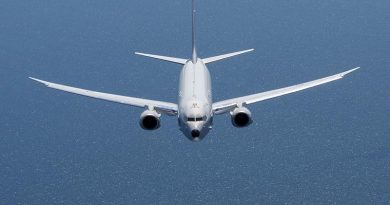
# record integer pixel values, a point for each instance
(228, 105)
(163, 107)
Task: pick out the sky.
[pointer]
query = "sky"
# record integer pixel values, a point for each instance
(326, 145)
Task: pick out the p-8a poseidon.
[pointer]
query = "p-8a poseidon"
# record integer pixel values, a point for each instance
(195, 109)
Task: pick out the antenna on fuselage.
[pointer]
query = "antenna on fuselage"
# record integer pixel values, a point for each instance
(194, 54)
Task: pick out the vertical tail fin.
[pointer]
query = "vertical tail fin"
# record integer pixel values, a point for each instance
(194, 54)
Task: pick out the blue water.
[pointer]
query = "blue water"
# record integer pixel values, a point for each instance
(327, 145)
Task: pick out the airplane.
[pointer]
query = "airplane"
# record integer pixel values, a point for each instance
(195, 108)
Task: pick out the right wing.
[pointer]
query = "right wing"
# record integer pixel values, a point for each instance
(163, 107)
(228, 105)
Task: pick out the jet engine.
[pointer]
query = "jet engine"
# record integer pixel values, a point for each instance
(241, 117)
(150, 120)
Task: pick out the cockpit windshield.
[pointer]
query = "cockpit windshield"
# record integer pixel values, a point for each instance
(195, 119)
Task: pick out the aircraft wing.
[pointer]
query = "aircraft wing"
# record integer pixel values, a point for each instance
(228, 105)
(163, 107)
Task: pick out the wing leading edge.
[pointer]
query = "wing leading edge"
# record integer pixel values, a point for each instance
(163, 107)
(228, 105)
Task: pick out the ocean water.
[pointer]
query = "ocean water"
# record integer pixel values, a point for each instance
(326, 145)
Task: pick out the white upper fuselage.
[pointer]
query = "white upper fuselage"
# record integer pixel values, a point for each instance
(195, 100)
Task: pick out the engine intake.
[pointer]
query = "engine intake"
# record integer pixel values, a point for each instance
(241, 117)
(150, 120)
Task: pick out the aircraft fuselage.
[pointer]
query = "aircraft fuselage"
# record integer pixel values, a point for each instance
(195, 100)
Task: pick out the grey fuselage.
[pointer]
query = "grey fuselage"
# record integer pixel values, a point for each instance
(195, 115)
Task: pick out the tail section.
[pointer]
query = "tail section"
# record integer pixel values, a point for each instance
(225, 56)
(194, 58)
(164, 58)
(194, 54)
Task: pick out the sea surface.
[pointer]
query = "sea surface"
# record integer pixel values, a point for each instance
(326, 145)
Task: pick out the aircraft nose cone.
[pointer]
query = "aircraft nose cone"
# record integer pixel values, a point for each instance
(195, 133)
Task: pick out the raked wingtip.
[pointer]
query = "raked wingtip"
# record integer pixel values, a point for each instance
(247, 51)
(34, 79)
(349, 71)
(37, 80)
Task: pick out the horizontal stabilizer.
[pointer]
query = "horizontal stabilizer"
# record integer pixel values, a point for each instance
(164, 58)
(222, 57)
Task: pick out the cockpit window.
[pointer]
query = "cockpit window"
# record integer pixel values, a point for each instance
(195, 119)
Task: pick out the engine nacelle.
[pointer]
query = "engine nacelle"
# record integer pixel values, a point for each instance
(241, 117)
(150, 120)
